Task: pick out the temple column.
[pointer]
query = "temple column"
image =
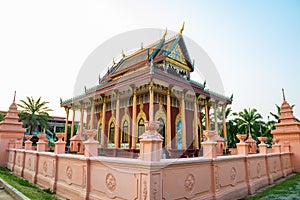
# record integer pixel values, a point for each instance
(224, 122)
(216, 118)
(67, 119)
(151, 102)
(196, 139)
(73, 123)
(183, 123)
(103, 143)
(81, 119)
(169, 136)
(133, 135)
(92, 114)
(207, 119)
(201, 128)
(117, 127)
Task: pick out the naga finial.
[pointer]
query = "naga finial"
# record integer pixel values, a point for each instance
(15, 97)
(166, 31)
(182, 28)
(123, 54)
(283, 94)
(114, 61)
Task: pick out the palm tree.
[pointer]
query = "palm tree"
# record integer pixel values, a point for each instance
(34, 113)
(248, 120)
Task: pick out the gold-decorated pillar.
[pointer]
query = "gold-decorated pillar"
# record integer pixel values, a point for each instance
(103, 143)
(67, 119)
(73, 123)
(117, 127)
(207, 119)
(216, 118)
(133, 135)
(196, 138)
(183, 123)
(224, 123)
(92, 114)
(81, 118)
(169, 135)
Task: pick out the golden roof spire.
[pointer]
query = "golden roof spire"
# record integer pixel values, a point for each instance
(142, 45)
(182, 28)
(114, 61)
(283, 94)
(123, 54)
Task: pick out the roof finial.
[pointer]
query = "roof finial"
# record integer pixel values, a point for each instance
(283, 94)
(166, 31)
(114, 61)
(182, 28)
(142, 45)
(15, 97)
(123, 54)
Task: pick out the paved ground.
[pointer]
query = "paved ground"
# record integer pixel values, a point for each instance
(5, 195)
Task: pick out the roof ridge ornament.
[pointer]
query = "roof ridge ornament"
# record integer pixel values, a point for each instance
(123, 54)
(283, 95)
(166, 32)
(142, 46)
(114, 63)
(182, 28)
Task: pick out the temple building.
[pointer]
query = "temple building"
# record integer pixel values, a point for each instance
(152, 84)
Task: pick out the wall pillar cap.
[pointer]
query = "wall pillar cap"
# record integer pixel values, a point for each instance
(151, 133)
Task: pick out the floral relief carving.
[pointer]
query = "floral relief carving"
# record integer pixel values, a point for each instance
(145, 191)
(189, 183)
(45, 167)
(110, 181)
(233, 175)
(155, 190)
(69, 172)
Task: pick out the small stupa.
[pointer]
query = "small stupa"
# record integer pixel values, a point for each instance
(10, 130)
(287, 132)
(76, 142)
(251, 143)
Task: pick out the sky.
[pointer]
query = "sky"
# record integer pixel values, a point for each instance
(255, 45)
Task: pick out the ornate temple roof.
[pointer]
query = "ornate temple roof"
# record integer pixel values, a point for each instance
(172, 50)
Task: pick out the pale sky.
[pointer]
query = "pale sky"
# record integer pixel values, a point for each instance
(255, 45)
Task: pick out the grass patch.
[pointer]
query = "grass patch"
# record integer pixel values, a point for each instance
(287, 189)
(28, 189)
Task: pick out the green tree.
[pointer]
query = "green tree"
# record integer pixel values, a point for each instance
(1, 117)
(248, 120)
(34, 113)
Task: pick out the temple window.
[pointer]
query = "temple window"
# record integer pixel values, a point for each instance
(141, 127)
(161, 130)
(125, 136)
(111, 133)
(179, 135)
